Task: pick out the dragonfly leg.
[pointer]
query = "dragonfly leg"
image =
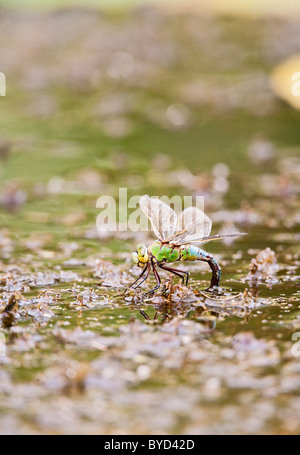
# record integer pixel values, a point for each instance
(177, 272)
(143, 272)
(144, 314)
(157, 277)
(144, 279)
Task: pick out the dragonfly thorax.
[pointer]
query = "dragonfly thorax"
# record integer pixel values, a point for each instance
(164, 252)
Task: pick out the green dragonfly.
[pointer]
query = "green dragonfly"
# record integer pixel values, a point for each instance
(177, 240)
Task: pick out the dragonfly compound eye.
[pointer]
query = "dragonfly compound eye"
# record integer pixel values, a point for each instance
(143, 254)
(135, 257)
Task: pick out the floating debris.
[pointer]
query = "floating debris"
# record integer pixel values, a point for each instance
(13, 197)
(9, 314)
(263, 268)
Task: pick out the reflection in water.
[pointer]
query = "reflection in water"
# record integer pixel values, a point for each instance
(204, 307)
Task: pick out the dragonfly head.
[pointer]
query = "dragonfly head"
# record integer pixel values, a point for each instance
(140, 257)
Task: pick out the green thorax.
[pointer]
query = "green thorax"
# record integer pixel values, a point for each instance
(164, 253)
(167, 253)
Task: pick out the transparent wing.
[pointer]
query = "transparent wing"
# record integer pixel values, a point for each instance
(162, 217)
(203, 240)
(193, 225)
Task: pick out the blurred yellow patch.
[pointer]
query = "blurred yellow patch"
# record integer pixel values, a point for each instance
(285, 81)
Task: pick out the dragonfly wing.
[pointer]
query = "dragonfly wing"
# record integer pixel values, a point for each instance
(213, 237)
(162, 217)
(193, 225)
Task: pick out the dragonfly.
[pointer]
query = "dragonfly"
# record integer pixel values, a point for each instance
(178, 239)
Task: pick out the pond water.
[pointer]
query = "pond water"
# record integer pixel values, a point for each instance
(159, 105)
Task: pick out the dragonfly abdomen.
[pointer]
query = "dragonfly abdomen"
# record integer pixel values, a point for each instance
(193, 253)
